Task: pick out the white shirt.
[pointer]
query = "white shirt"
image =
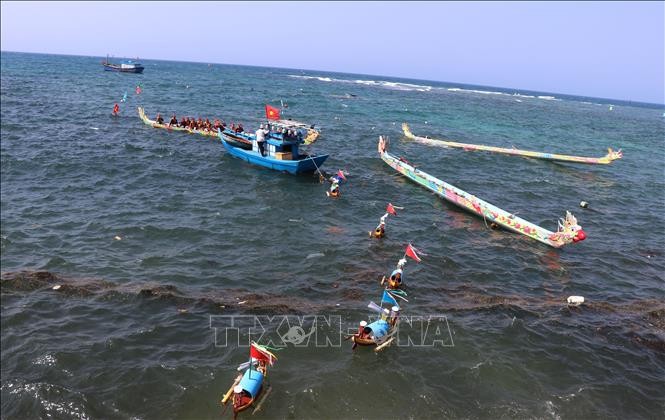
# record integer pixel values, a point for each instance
(260, 135)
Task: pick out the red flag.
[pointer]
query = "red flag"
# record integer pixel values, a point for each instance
(411, 252)
(390, 209)
(272, 113)
(341, 174)
(259, 353)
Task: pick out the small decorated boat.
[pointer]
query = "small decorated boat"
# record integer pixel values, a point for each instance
(128, 66)
(395, 282)
(248, 387)
(380, 333)
(568, 230)
(608, 158)
(380, 230)
(280, 154)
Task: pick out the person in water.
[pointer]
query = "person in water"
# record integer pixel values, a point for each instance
(159, 119)
(116, 109)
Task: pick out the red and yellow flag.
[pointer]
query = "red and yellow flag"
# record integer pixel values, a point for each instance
(260, 353)
(272, 113)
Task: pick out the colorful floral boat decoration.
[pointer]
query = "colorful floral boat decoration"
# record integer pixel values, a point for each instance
(568, 231)
(609, 158)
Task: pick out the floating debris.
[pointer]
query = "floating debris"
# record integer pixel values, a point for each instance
(57, 287)
(575, 300)
(315, 255)
(117, 238)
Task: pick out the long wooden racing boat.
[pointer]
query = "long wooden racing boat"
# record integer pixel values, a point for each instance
(568, 231)
(154, 124)
(608, 158)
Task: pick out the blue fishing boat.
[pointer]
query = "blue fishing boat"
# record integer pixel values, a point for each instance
(280, 154)
(128, 66)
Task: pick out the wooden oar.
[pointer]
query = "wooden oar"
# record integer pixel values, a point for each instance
(260, 404)
(382, 346)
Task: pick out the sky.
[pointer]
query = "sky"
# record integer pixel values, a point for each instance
(610, 50)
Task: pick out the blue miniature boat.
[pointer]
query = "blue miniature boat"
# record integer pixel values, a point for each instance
(280, 155)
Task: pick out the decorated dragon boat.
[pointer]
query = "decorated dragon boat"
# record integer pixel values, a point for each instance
(608, 158)
(248, 387)
(380, 333)
(568, 230)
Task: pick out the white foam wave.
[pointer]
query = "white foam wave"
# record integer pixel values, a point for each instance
(375, 83)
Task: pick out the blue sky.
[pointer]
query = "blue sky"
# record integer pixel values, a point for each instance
(602, 49)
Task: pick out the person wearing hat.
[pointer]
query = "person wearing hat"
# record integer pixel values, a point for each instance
(361, 329)
(261, 139)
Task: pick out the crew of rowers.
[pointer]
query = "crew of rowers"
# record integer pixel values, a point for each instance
(200, 124)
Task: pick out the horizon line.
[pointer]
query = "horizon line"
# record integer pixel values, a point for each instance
(629, 101)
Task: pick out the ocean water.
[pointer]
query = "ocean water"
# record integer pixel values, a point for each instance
(157, 239)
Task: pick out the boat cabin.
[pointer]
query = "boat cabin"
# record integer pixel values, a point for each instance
(278, 148)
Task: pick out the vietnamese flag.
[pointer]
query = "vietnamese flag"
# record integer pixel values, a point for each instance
(259, 353)
(390, 209)
(272, 113)
(411, 252)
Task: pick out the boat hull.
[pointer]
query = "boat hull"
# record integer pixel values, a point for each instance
(152, 123)
(469, 202)
(113, 67)
(237, 139)
(304, 165)
(607, 159)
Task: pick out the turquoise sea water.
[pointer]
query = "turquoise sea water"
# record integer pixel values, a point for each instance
(131, 331)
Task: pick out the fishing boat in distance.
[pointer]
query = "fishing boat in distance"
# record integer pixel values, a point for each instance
(607, 159)
(568, 230)
(248, 387)
(127, 66)
(280, 154)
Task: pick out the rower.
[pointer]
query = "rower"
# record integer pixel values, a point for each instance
(159, 119)
(174, 121)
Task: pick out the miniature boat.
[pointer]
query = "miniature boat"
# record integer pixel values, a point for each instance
(568, 231)
(125, 67)
(248, 387)
(380, 333)
(280, 155)
(611, 154)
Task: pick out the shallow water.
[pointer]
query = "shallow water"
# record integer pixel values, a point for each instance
(131, 330)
